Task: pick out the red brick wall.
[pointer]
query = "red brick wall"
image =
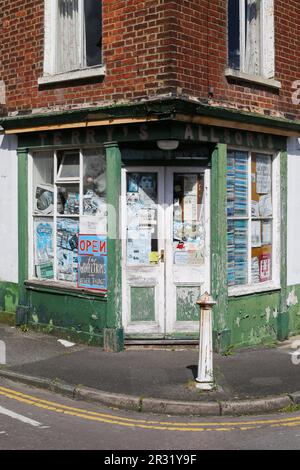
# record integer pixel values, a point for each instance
(151, 47)
(201, 37)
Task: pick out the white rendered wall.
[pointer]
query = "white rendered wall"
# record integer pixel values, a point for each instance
(293, 226)
(8, 209)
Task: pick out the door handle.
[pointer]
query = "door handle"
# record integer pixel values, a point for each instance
(162, 256)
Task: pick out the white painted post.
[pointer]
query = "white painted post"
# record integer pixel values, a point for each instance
(205, 378)
(2, 353)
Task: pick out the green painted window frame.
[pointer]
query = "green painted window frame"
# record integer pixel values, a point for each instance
(31, 280)
(275, 283)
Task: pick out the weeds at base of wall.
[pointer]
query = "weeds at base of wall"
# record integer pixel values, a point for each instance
(229, 351)
(24, 328)
(291, 409)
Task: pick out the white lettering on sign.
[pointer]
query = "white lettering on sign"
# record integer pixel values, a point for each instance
(57, 138)
(250, 140)
(75, 138)
(144, 132)
(201, 136)
(238, 138)
(90, 136)
(189, 133)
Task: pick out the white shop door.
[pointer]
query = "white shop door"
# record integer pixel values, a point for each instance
(165, 231)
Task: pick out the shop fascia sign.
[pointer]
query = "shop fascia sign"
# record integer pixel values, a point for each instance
(152, 132)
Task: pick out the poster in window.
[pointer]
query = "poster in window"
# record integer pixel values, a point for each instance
(43, 247)
(256, 234)
(67, 248)
(90, 225)
(133, 183)
(265, 266)
(92, 262)
(263, 174)
(265, 206)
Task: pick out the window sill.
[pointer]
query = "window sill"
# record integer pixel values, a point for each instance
(255, 79)
(239, 291)
(74, 75)
(63, 288)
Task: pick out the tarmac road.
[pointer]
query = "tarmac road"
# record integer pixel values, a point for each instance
(33, 419)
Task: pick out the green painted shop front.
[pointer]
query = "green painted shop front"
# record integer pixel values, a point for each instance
(244, 318)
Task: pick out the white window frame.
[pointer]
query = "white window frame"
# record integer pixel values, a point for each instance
(274, 284)
(55, 216)
(267, 48)
(51, 74)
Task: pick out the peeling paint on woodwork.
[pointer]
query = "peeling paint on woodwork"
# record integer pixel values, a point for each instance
(8, 297)
(142, 304)
(238, 321)
(292, 298)
(268, 313)
(187, 309)
(91, 329)
(275, 313)
(35, 318)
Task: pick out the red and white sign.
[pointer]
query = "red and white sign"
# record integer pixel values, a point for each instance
(265, 267)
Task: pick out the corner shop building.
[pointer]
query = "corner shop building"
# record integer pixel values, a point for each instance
(125, 215)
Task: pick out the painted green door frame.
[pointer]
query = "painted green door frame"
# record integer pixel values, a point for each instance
(283, 316)
(219, 288)
(22, 309)
(114, 334)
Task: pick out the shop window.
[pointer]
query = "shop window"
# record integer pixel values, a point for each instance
(73, 35)
(68, 199)
(251, 37)
(251, 219)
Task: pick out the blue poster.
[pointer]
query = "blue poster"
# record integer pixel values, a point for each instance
(92, 262)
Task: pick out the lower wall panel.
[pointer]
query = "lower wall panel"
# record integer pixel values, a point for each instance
(79, 318)
(253, 318)
(9, 297)
(293, 304)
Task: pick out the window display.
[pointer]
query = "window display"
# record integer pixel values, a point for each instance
(249, 222)
(66, 204)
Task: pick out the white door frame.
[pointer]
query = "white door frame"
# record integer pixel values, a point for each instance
(152, 276)
(171, 280)
(165, 315)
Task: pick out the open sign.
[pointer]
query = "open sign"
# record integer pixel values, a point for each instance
(92, 245)
(92, 262)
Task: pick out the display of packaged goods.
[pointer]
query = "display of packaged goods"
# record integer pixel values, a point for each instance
(72, 203)
(237, 184)
(237, 249)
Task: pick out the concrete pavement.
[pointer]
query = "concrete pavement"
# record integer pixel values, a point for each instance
(254, 380)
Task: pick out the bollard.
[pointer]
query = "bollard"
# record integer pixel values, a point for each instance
(205, 378)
